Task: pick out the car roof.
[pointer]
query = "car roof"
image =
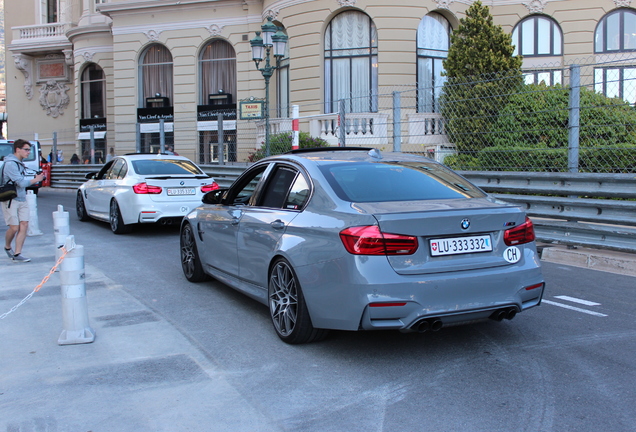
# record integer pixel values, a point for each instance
(141, 156)
(323, 155)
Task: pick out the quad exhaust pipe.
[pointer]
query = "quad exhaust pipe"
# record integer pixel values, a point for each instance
(506, 313)
(424, 325)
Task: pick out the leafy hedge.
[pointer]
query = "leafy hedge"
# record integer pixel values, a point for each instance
(531, 133)
(282, 143)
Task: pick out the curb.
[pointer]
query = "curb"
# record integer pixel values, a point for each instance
(593, 259)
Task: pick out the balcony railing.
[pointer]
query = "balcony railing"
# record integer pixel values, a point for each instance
(51, 30)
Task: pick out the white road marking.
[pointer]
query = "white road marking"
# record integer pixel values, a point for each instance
(579, 301)
(573, 308)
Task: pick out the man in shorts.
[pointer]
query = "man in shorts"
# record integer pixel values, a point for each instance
(16, 211)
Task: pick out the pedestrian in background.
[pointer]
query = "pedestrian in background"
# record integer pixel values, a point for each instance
(110, 155)
(75, 159)
(16, 211)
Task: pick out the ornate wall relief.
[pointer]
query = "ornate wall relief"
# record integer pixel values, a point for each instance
(536, 6)
(344, 3)
(215, 30)
(153, 35)
(444, 4)
(24, 64)
(622, 3)
(53, 98)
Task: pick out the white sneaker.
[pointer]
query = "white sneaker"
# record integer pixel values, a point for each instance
(20, 258)
(9, 252)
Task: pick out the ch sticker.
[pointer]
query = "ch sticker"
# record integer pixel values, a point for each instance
(184, 209)
(512, 254)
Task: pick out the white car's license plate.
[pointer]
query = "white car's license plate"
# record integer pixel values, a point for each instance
(460, 245)
(181, 191)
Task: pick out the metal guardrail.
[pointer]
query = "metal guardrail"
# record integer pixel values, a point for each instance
(581, 209)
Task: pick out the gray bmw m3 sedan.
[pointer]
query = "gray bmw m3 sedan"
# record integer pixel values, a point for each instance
(351, 238)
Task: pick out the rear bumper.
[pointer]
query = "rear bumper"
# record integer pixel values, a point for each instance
(340, 293)
(165, 212)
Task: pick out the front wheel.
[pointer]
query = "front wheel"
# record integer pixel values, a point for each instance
(80, 207)
(190, 261)
(287, 307)
(116, 221)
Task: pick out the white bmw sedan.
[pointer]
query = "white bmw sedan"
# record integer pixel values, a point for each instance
(142, 188)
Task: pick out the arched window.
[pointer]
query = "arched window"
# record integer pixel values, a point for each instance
(93, 84)
(433, 41)
(351, 63)
(155, 71)
(616, 32)
(218, 70)
(536, 36)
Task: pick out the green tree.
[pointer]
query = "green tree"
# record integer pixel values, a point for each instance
(481, 73)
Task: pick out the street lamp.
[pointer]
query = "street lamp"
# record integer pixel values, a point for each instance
(273, 37)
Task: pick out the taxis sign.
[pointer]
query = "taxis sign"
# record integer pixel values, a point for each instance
(251, 109)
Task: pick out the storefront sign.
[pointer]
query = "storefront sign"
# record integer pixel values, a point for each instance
(253, 109)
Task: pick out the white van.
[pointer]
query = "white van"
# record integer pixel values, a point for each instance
(33, 162)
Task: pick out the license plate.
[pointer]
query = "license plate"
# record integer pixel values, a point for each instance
(460, 245)
(181, 191)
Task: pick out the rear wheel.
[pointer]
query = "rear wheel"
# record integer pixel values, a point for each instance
(190, 261)
(80, 207)
(287, 307)
(116, 221)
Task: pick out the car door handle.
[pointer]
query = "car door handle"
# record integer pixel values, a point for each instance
(278, 224)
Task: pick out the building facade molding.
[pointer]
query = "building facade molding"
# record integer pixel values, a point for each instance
(444, 4)
(153, 35)
(623, 3)
(344, 3)
(181, 26)
(24, 64)
(535, 6)
(215, 29)
(53, 98)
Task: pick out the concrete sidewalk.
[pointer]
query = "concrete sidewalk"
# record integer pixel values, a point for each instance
(140, 373)
(593, 259)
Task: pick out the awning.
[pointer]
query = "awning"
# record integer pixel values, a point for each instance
(214, 125)
(154, 127)
(87, 135)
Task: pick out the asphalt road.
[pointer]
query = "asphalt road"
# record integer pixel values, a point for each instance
(568, 365)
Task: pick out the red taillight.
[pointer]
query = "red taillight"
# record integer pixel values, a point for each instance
(387, 304)
(143, 188)
(369, 240)
(531, 287)
(521, 234)
(210, 187)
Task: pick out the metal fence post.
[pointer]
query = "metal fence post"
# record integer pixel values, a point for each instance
(138, 138)
(162, 136)
(397, 123)
(53, 149)
(92, 135)
(342, 124)
(220, 138)
(575, 111)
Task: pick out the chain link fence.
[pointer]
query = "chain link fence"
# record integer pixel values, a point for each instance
(578, 118)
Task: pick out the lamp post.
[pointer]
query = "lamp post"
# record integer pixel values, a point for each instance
(273, 37)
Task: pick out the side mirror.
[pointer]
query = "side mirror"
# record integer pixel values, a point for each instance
(90, 175)
(214, 197)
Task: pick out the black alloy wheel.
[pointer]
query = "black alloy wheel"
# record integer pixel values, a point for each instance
(190, 261)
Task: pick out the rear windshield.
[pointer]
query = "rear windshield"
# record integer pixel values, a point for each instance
(397, 181)
(165, 167)
(7, 148)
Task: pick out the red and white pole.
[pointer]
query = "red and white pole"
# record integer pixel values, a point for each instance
(295, 124)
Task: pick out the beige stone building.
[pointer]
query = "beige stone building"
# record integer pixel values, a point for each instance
(127, 69)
